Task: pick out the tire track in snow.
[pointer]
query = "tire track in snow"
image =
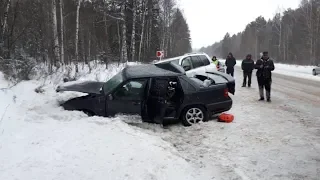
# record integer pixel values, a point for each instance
(266, 141)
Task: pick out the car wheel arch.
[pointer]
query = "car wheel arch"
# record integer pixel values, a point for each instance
(184, 108)
(187, 108)
(87, 112)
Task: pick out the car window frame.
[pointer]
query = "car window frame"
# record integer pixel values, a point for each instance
(196, 58)
(206, 61)
(122, 80)
(189, 59)
(175, 61)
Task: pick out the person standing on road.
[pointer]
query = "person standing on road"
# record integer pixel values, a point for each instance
(247, 66)
(264, 67)
(215, 62)
(230, 63)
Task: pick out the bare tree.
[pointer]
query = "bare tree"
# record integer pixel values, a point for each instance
(57, 32)
(291, 36)
(133, 34)
(56, 46)
(77, 35)
(144, 11)
(4, 25)
(124, 53)
(61, 33)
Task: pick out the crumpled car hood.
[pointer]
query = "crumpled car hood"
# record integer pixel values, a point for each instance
(91, 87)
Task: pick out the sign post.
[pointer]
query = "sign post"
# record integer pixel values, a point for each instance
(160, 54)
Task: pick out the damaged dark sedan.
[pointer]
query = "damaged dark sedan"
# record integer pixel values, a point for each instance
(158, 93)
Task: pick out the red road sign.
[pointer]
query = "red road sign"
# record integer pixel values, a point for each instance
(160, 54)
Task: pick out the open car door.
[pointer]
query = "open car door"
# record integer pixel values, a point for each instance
(145, 108)
(156, 101)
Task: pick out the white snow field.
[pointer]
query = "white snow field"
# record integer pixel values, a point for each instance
(299, 71)
(39, 140)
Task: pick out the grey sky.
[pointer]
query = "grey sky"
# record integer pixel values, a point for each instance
(209, 20)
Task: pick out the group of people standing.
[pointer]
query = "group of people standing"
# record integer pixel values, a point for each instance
(264, 67)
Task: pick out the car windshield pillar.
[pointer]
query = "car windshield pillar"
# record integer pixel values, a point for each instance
(112, 83)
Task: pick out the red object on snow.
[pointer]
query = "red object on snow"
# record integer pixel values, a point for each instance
(228, 118)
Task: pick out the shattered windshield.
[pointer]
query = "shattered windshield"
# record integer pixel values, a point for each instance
(113, 83)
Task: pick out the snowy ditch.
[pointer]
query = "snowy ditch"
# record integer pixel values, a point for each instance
(40, 140)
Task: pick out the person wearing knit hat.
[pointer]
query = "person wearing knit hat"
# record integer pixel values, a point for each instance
(230, 63)
(247, 66)
(264, 67)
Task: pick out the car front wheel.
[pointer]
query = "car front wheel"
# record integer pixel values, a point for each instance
(193, 115)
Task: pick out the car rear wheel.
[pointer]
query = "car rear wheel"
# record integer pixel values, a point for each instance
(193, 115)
(314, 72)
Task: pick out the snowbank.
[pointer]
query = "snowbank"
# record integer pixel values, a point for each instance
(292, 70)
(40, 140)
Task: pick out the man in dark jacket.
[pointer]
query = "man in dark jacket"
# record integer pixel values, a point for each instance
(230, 63)
(247, 66)
(264, 67)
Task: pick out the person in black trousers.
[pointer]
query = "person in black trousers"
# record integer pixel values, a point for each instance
(264, 67)
(247, 66)
(230, 63)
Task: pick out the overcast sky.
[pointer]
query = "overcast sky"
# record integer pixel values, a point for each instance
(210, 20)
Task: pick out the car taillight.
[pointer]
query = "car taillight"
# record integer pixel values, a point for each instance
(226, 92)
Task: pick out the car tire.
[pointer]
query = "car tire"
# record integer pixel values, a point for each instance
(314, 72)
(193, 115)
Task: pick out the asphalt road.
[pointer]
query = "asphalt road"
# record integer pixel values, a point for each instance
(297, 89)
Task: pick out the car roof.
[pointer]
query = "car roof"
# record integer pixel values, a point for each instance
(147, 70)
(180, 57)
(170, 59)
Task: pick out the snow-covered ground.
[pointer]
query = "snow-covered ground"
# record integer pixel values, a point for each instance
(293, 70)
(40, 140)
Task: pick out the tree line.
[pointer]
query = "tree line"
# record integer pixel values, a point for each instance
(291, 37)
(60, 32)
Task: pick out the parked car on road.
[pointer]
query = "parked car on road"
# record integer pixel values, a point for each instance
(157, 92)
(316, 70)
(194, 63)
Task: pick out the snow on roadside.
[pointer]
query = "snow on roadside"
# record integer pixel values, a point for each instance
(304, 72)
(40, 140)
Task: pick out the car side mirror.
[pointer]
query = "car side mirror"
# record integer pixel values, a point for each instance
(110, 97)
(186, 68)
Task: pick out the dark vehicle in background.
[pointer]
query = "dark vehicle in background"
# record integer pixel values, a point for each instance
(156, 92)
(316, 70)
